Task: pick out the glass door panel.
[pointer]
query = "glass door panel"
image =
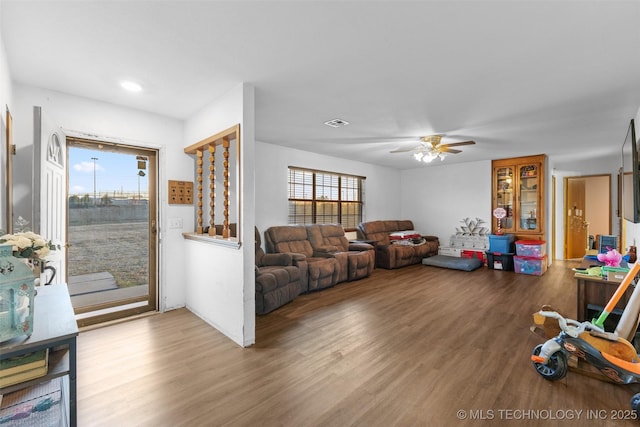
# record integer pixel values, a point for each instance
(504, 192)
(111, 230)
(528, 204)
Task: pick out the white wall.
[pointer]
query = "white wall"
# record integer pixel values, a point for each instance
(5, 76)
(219, 280)
(595, 196)
(111, 121)
(382, 200)
(438, 197)
(6, 100)
(632, 231)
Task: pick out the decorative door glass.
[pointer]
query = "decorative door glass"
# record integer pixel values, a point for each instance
(504, 191)
(528, 203)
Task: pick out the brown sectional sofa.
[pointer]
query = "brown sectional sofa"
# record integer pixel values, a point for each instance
(390, 255)
(329, 256)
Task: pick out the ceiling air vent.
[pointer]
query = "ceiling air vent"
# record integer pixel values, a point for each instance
(336, 123)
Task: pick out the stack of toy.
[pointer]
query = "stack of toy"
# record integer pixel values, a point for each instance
(500, 253)
(531, 257)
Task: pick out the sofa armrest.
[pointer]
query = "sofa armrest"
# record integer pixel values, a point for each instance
(384, 256)
(359, 246)
(283, 259)
(295, 256)
(325, 251)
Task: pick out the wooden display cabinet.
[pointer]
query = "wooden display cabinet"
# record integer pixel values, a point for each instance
(518, 187)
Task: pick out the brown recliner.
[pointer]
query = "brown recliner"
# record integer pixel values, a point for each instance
(389, 255)
(356, 260)
(278, 281)
(232, 230)
(321, 272)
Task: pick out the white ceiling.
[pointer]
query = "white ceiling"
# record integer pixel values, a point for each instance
(519, 78)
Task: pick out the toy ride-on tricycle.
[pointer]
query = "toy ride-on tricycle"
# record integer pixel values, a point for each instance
(610, 355)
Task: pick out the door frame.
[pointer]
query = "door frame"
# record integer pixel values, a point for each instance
(8, 151)
(566, 204)
(108, 312)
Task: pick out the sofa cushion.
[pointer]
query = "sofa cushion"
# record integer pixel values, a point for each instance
(323, 273)
(328, 235)
(288, 238)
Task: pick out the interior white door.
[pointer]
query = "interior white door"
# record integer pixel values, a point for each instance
(49, 198)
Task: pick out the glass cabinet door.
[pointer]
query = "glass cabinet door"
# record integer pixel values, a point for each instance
(504, 193)
(528, 202)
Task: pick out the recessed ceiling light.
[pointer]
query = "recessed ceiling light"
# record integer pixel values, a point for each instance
(336, 123)
(131, 86)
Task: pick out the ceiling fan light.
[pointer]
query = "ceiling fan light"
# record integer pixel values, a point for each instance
(428, 158)
(442, 156)
(131, 86)
(418, 155)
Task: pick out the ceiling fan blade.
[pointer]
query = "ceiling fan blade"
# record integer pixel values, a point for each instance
(405, 150)
(457, 144)
(448, 150)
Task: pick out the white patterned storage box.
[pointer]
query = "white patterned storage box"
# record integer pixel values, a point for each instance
(470, 242)
(443, 250)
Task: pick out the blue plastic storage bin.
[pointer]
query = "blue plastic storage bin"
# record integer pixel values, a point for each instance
(501, 243)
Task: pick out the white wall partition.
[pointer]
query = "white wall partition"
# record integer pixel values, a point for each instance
(220, 280)
(5, 76)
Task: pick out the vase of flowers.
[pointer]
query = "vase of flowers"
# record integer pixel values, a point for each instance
(29, 247)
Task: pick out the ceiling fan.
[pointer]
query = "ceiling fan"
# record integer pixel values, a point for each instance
(431, 148)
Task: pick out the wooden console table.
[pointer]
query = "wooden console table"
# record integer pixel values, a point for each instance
(54, 327)
(595, 291)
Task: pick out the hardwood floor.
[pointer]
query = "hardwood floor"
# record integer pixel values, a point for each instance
(408, 347)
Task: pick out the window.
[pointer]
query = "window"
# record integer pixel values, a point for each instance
(319, 197)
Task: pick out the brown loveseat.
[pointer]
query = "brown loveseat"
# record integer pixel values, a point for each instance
(321, 272)
(356, 260)
(393, 255)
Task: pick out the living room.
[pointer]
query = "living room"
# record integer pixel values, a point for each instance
(216, 283)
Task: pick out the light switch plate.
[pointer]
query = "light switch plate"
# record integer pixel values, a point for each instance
(175, 222)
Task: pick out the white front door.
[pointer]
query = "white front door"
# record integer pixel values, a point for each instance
(49, 199)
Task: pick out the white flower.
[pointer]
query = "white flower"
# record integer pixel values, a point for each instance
(27, 244)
